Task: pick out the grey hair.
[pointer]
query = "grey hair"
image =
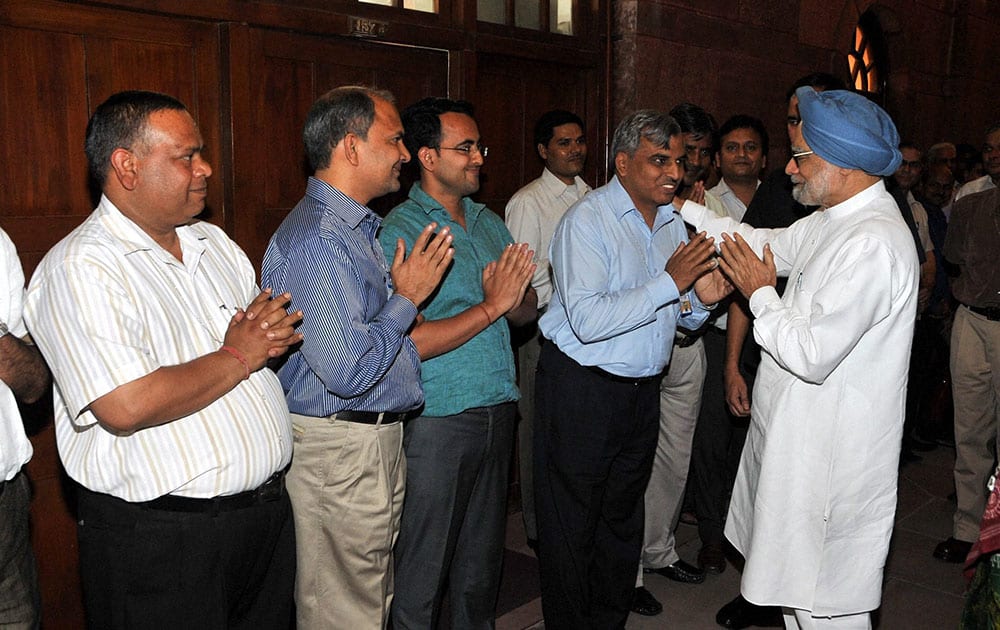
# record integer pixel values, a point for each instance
(342, 110)
(932, 153)
(657, 127)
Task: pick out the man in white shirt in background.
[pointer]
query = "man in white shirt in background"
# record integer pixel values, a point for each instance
(531, 216)
(901, 185)
(24, 377)
(741, 157)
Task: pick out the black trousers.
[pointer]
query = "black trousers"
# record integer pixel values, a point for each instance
(148, 568)
(594, 443)
(718, 443)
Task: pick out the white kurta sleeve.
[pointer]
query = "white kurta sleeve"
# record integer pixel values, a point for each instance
(810, 332)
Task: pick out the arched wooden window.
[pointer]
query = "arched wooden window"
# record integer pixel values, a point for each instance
(866, 59)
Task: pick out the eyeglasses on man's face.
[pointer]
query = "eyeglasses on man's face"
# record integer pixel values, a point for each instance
(798, 157)
(468, 149)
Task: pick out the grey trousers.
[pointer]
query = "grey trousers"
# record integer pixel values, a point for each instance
(975, 383)
(19, 599)
(527, 360)
(454, 517)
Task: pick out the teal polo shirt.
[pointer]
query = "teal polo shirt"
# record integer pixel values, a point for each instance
(480, 372)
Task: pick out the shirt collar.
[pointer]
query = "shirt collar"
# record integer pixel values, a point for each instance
(622, 204)
(339, 205)
(557, 187)
(722, 188)
(429, 204)
(130, 238)
(861, 199)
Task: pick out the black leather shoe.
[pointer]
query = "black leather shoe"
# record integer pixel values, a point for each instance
(952, 550)
(712, 558)
(680, 571)
(643, 603)
(740, 613)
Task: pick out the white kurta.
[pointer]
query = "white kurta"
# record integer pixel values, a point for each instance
(812, 510)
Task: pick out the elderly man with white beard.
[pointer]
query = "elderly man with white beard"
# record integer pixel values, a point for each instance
(815, 496)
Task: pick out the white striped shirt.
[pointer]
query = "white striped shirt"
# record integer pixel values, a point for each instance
(15, 449)
(108, 305)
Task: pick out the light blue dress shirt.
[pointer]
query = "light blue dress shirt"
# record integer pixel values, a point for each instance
(614, 306)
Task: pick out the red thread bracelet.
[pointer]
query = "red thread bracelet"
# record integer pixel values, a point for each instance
(239, 357)
(489, 320)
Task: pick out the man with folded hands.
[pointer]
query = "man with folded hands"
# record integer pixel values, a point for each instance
(815, 496)
(165, 414)
(357, 374)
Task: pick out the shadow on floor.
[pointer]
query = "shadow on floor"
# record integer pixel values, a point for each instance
(919, 592)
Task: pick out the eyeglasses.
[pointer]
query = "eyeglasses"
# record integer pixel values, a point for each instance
(467, 149)
(801, 154)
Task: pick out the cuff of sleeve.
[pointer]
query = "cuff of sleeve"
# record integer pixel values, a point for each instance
(695, 214)
(762, 298)
(663, 290)
(399, 310)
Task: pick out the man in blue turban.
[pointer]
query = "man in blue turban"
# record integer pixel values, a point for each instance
(813, 506)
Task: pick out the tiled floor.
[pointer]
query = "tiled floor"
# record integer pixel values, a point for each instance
(919, 593)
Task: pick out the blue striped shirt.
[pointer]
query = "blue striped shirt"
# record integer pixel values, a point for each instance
(356, 354)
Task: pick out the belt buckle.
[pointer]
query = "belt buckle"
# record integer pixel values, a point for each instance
(271, 490)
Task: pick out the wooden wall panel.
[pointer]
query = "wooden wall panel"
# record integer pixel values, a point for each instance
(60, 61)
(42, 117)
(290, 72)
(510, 94)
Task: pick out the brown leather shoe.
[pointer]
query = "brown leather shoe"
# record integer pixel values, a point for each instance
(952, 550)
(712, 558)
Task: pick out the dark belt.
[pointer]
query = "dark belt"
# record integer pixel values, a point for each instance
(686, 341)
(631, 380)
(991, 313)
(371, 417)
(271, 490)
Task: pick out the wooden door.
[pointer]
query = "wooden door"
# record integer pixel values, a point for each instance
(271, 96)
(509, 95)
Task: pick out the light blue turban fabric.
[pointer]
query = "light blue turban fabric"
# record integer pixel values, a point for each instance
(850, 131)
